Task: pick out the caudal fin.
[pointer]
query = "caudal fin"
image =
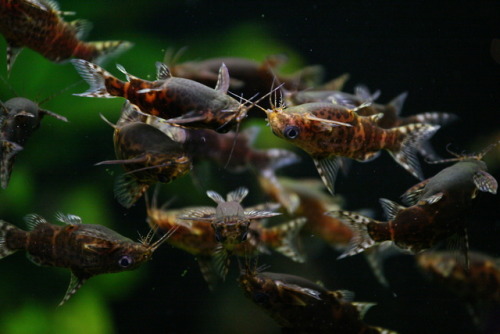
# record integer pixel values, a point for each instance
(287, 235)
(361, 239)
(4, 229)
(415, 137)
(95, 77)
(109, 49)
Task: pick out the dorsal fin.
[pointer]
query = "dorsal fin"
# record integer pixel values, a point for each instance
(237, 195)
(162, 71)
(124, 71)
(391, 208)
(398, 101)
(81, 28)
(32, 220)
(68, 219)
(223, 80)
(216, 197)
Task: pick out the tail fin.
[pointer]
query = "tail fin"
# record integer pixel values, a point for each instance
(4, 228)
(416, 135)
(361, 239)
(9, 149)
(109, 49)
(95, 77)
(287, 235)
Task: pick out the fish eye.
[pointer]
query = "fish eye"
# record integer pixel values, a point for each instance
(260, 297)
(125, 261)
(291, 132)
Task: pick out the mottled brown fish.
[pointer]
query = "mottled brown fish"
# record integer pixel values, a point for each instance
(19, 118)
(327, 132)
(439, 209)
(230, 222)
(197, 237)
(147, 155)
(177, 100)
(38, 25)
(301, 306)
(86, 250)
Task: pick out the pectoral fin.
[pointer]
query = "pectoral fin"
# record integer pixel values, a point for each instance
(327, 170)
(485, 182)
(74, 284)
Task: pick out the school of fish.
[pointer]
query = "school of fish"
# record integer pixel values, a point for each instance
(195, 112)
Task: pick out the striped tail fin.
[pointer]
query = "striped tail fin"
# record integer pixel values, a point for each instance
(95, 77)
(4, 229)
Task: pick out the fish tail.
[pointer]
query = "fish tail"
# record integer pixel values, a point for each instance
(288, 235)
(415, 135)
(108, 49)
(128, 190)
(434, 117)
(4, 229)
(361, 239)
(95, 77)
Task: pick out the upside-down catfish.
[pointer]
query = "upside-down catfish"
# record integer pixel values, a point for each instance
(328, 131)
(38, 25)
(439, 208)
(146, 153)
(85, 249)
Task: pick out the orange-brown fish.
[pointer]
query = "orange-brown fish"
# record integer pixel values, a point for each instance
(19, 118)
(312, 202)
(38, 25)
(439, 208)
(177, 100)
(327, 132)
(230, 222)
(147, 154)
(86, 250)
(198, 237)
(301, 306)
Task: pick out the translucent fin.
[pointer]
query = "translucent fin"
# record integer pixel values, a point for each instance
(398, 102)
(216, 197)
(162, 71)
(81, 28)
(237, 195)
(109, 49)
(127, 75)
(33, 220)
(327, 170)
(272, 187)
(74, 284)
(411, 196)
(9, 150)
(130, 114)
(415, 134)
(431, 199)
(128, 190)
(347, 295)
(253, 214)
(288, 235)
(223, 79)
(363, 308)
(485, 182)
(434, 117)
(336, 83)
(68, 218)
(221, 261)
(391, 209)
(52, 114)
(361, 240)
(95, 77)
(4, 228)
(12, 53)
(279, 158)
(201, 213)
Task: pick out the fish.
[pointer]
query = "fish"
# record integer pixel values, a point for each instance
(147, 155)
(299, 305)
(478, 285)
(176, 100)
(39, 25)
(86, 250)
(19, 118)
(197, 237)
(312, 203)
(230, 222)
(438, 209)
(248, 77)
(328, 132)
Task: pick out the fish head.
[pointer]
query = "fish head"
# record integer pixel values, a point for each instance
(231, 230)
(21, 117)
(257, 288)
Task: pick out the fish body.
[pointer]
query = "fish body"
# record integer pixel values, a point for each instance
(302, 306)
(229, 221)
(327, 131)
(478, 283)
(19, 118)
(38, 25)
(177, 100)
(85, 249)
(439, 208)
(147, 155)
(198, 238)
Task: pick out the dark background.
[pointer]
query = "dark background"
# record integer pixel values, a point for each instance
(442, 52)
